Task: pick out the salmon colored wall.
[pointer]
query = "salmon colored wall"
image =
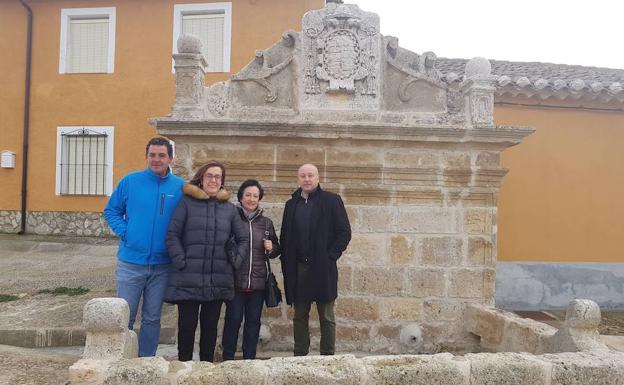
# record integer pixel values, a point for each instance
(12, 70)
(562, 200)
(141, 87)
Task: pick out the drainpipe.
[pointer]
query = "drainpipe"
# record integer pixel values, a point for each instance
(26, 115)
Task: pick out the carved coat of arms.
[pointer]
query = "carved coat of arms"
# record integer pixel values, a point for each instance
(343, 49)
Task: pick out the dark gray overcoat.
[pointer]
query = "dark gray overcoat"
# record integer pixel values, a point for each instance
(330, 233)
(196, 239)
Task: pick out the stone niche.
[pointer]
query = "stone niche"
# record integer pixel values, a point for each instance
(415, 158)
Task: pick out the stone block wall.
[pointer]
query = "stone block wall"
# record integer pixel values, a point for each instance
(423, 225)
(70, 223)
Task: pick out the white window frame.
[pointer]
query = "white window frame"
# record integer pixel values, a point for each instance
(180, 9)
(109, 131)
(68, 13)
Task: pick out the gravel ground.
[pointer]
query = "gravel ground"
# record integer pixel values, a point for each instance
(19, 366)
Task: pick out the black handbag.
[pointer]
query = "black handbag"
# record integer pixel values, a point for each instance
(272, 292)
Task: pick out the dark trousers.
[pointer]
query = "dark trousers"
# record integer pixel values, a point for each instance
(187, 324)
(301, 328)
(248, 306)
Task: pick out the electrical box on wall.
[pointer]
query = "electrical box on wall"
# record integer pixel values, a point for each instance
(8, 159)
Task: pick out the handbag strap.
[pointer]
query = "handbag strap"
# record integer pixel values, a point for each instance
(266, 254)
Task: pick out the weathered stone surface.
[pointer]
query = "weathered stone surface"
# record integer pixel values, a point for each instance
(402, 309)
(443, 310)
(587, 368)
(249, 372)
(478, 221)
(367, 250)
(401, 250)
(57, 223)
(138, 371)
(427, 220)
(427, 283)
(505, 331)
(438, 369)
(343, 370)
(379, 281)
(441, 251)
(106, 323)
(508, 368)
(465, 283)
(106, 315)
(579, 332)
(487, 159)
(357, 308)
(373, 219)
(480, 252)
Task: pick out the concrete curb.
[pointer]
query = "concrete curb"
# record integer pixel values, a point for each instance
(59, 337)
(43, 337)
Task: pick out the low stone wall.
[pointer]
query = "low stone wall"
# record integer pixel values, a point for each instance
(587, 368)
(56, 223)
(110, 347)
(502, 331)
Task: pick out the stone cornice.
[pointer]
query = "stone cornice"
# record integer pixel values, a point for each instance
(501, 136)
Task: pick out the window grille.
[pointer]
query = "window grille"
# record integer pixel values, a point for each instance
(83, 162)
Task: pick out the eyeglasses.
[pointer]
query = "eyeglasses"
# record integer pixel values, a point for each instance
(212, 177)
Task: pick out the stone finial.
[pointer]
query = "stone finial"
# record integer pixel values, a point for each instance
(106, 323)
(478, 66)
(106, 315)
(582, 313)
(190, 69)
(579, 332)
(189, 44)
(478, 89)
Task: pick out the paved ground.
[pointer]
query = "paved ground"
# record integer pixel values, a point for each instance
(19, 366)
(29, 264)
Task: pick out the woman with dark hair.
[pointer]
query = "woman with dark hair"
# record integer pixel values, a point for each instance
(203, 272)
(252, 274)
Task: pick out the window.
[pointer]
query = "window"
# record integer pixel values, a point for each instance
(212, 24)
(87, 40)
(84, 159)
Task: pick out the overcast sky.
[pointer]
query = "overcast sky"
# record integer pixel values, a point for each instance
(589, 33)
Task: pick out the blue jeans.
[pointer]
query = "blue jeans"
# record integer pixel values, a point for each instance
(248, 306)
(149, 281)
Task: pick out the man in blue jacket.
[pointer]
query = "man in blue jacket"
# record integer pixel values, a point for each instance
(139, 211)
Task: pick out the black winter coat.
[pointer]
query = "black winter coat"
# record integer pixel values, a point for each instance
(252, 273)
(198, 232)
(330, 233)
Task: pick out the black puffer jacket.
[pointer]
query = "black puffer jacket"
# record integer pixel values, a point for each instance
(198, 232)
(252, 273)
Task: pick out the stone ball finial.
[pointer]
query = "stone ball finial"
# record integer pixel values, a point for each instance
(583, 313)
(189, 44)
(106, 315)
(478, 66)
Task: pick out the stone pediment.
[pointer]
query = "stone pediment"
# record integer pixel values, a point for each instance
(339, 68)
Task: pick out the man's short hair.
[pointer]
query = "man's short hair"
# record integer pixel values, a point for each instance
(160, 141)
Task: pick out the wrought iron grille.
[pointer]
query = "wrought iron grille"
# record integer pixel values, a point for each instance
(83, 162)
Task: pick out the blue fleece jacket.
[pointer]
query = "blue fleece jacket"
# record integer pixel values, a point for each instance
(139, 211)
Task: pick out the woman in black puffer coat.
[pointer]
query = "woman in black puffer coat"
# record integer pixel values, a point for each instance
(203, 274)
(251, 276)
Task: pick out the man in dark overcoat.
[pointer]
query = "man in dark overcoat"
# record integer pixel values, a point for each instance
(315, 232)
